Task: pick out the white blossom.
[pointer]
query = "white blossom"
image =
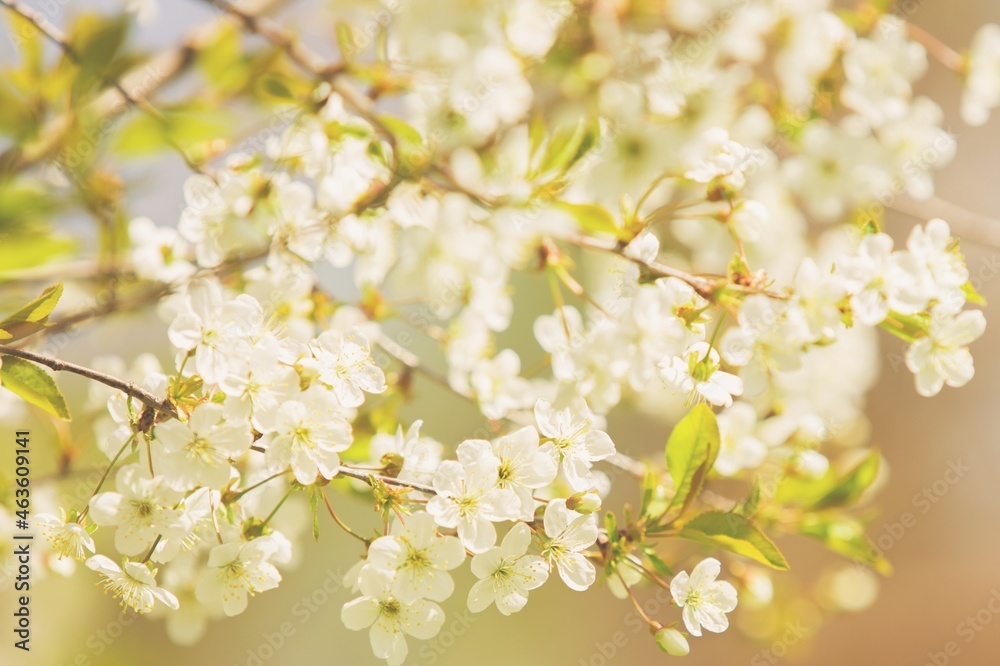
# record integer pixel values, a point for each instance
(133, 583)
(469, 499)
(704, 600)
(390, 619)
(697, 371)
(568, 533)
(577, 441)
(346, 366)
(507, 573)
(236, 569)
(942, 357)
(419, 558)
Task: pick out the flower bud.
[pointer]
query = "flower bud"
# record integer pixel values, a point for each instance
(586, 502)
(308, 370)
(392, 464)
(672, 642)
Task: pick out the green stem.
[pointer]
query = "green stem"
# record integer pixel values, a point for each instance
(104, 477)
(241, 493)
(275, 510)
(341, 523)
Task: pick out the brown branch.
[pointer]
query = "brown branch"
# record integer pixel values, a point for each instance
(129, 388)
(308, 60)
(138, 83)
(363, 475)
(56, 36)
(943, 53)
(705, 287)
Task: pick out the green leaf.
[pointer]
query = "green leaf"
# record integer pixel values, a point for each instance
(852, 485)
(845, 536)
(828, 490)
(654, 498)
(187, 126)
(32, 317)
(345, 40)
(748, 507)
(222, 61)
(659, 565)
(402, 130)
(565, 147)
(24, 34)
(735, 533)
(802, 490)
(592, 218)
(412, 152)
(39, 308)
(610, 524)
(34, 384)
(97, 42)
(274, 86)
(691, 451)
(26, 207)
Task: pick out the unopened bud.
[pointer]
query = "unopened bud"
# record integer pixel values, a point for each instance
(587, 502)
(308, 370)
(392, 464)
(672, 642)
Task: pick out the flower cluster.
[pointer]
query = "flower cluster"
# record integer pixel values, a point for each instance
(703, 238)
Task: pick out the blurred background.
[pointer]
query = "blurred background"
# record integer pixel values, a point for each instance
(939, 607)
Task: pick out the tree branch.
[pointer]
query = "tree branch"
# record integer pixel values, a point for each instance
(56, 36)
(129, 388)
(704, 286)
(140, 82)
(308, 60)
(944, 54)
(363, 474)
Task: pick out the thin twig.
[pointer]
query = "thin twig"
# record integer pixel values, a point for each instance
(141, 82)
(703, 286)
(308, 60)
(129, 388)
(944, 54)
(363, 475)
(56, 36)
(341, 523)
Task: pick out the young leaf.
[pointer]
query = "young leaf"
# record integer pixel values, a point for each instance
(413, 152)
(32, 317)
(734, 533)
(564, 147)
(748, 507)
(592, 218)
(853, 484)
(691, 452)
(659, 565)
(610, 524)
(97, 42)
(654, 498)
(846, 537)
(34, 384)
